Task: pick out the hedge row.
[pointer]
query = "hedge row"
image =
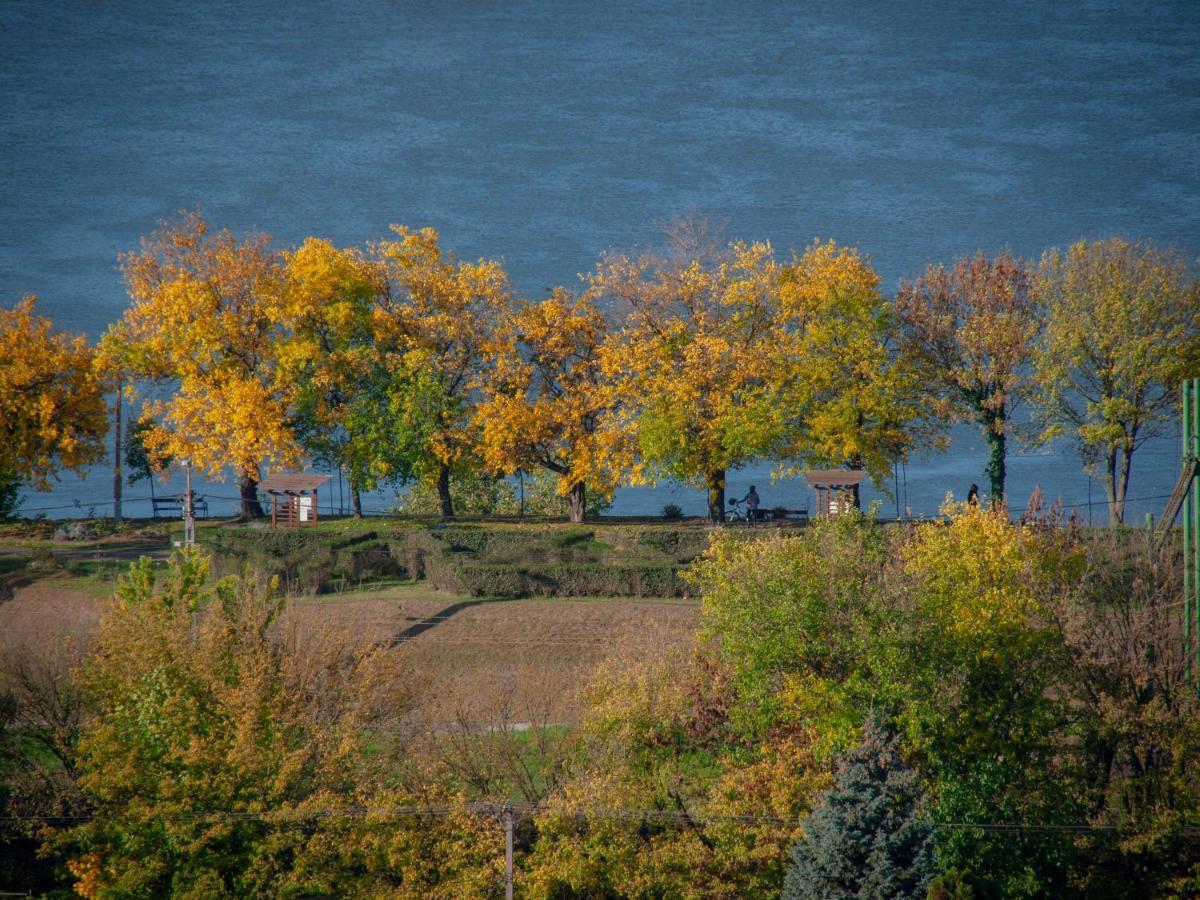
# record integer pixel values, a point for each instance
(473, 560)
(557, 580)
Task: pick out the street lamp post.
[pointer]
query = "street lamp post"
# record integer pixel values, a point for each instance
(189, 512)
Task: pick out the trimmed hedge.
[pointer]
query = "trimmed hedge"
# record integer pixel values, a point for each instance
(558, 580)
(477, 560)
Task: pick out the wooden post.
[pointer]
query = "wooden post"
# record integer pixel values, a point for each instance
(508, 852)
(117, 455)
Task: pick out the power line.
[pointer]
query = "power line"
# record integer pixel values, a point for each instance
(620, 814)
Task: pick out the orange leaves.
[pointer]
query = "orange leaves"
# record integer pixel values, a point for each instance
(52, 413)
(448, 310)
(205, 314)
(546, 402)
(969, 330)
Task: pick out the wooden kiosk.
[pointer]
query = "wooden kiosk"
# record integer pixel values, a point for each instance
(293, 498)
(836, 489)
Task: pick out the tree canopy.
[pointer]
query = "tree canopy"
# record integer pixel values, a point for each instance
(204, 326)
(1122, 329)
(968, 332)
(52, 411)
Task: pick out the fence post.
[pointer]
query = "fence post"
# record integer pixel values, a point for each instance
(508, 852)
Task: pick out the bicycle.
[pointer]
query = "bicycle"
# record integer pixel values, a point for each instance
(737, 514)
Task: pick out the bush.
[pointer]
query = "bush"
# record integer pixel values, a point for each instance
(543, 499)
(218, 729)
(672, 513)
(555, 580)
(473, 494)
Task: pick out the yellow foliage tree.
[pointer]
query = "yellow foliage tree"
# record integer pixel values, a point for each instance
(329, 360)
(52, 413)
(845, 399)
(728, 355)
(1122, 328)
(545, 399)
(205, 314)
(440, 313)
(694, 359)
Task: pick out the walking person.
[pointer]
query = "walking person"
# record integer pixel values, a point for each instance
(751, 500)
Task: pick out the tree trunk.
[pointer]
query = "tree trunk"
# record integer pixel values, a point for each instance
(1119, 462)
(251, 508)
(716, 496)
(117, 454)
(356, 501)
(996, 468)
(577, 500)
(443, 486)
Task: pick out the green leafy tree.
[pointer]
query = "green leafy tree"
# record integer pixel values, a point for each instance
(10, 493)
(1122, 329)
(142, 463)
(439, 314)
(870, 837)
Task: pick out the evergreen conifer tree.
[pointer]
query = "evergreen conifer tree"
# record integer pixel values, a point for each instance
(868, 838)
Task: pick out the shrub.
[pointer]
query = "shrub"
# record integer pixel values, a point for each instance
(672, 513)
(484, 579)
(473, 494)
(223, 739)
(543, 499)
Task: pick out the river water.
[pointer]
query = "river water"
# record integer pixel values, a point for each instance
(544, 133)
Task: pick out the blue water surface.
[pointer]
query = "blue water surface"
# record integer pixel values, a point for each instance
(544, 133)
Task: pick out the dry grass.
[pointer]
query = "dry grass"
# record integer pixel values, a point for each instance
(41, 612)
(505, 653)
(522, 656)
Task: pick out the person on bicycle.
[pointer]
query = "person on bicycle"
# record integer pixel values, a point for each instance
(751, 500)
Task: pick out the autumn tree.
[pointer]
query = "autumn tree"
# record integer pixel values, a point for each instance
(439, 313)
(545, 399)
(357, 401)
(694, 357)
(844, 398)
(232, 752)
(1122, 329)
(52, 410)
(204, 326)
(969, 332)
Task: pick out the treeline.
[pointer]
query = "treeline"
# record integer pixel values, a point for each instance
(399, 362)
(966, 710)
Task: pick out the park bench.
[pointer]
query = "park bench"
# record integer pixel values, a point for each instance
(779, 513)
(173, 506)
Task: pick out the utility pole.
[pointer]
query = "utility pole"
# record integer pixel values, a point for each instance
(117, 453)
(508, 852)
(189, 512)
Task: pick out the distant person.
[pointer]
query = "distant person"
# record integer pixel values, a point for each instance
(973, 495)
(751, 500)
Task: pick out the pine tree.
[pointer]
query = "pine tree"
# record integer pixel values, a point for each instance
(867, 839)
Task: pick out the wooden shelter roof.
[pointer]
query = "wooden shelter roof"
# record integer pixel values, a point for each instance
(833, 477)
(292, 482)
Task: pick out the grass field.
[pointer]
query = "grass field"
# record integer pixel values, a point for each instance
(475, 657)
